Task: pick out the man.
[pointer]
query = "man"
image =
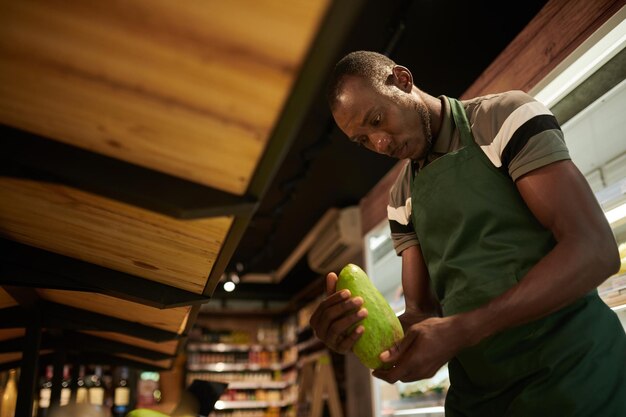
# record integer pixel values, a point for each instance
(502, 243)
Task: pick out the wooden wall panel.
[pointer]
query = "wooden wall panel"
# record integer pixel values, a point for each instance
(557, 30)
(190, 88)
(172, 319)
(111, 234)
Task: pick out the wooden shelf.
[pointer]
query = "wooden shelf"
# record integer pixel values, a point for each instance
(239, 367)
(231, 405)
(259, 384)
(309, 344)
(232, 347)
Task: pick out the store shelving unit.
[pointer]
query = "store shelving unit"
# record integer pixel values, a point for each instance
(263, 361)
(261, 377)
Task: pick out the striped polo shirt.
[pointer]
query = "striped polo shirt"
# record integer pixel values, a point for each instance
(517, 133)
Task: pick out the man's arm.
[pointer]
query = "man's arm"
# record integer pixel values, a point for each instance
(585, 255)
(419, 300)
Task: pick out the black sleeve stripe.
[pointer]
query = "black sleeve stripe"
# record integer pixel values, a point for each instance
(523, 134)
(400, 228)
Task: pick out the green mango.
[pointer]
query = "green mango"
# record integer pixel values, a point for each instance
(382, 327)
(145, 412)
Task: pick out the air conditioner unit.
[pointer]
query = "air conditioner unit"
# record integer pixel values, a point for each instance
(338, 243)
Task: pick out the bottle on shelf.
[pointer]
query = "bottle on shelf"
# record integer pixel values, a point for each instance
(81, 388)
(9, 396)
(66, 390)
(45, 391)
(121, 394)
(96, 388)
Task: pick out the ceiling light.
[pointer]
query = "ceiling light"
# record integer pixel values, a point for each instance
(229, 286)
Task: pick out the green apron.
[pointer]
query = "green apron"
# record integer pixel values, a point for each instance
(479, 239)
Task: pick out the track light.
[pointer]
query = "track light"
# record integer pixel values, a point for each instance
(231, 279)
(229, 286)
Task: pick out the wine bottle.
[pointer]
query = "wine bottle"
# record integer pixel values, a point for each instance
(96, 390)
(9, 396)
(121, 394)
(66, 390)
(45, 392)
(81, 388)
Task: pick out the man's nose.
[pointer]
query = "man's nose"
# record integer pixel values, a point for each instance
(381, 143)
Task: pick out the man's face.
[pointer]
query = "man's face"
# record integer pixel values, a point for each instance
(396, 125)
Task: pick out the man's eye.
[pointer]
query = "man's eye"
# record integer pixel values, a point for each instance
(376, 120)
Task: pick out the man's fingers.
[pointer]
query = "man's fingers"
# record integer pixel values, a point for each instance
(394, 355)
(330, 309)
(390, 355)
(349, 340)
(332, 332)
(331, 283)
(336, 322)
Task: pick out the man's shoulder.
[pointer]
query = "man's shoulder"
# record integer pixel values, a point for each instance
(503, 103)
(488, 114)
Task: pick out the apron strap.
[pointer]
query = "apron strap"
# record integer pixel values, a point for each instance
(460, 119)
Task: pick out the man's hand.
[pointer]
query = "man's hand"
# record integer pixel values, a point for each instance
(425, 348)
(334, 318)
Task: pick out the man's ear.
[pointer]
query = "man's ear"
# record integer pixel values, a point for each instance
(402, 78)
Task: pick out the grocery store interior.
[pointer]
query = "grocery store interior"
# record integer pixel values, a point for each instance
(174, 189)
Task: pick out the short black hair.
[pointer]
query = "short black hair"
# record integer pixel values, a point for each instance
(372, 66)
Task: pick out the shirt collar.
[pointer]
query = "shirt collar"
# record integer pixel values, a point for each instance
(443, 142)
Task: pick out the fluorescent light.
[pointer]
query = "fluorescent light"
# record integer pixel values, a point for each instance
(596, 56)
(425, 410)
(616, 214)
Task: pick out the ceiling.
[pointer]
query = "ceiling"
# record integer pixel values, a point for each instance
(138, 139)
(149, 146)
